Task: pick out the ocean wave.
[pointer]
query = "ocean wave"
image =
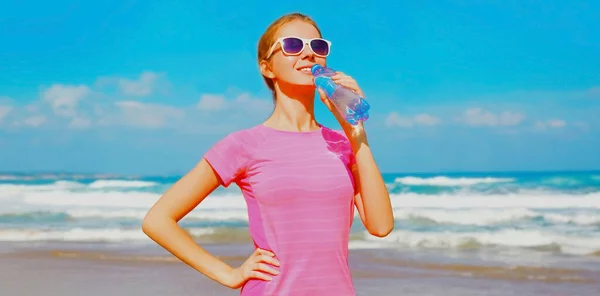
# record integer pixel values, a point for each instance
(117, 235)
(231, 200)
(72, 235)
(556, 213)
(435, 185)
(448, 181)
(119, 199)
(529, 239)
(100, 184)
(27, 188)
(416, 216)
(495, 241)
(197, 215)
(85, 235)
(561, 181)
(523, 199)
(58, 176)
(70, 184)
(486, 217)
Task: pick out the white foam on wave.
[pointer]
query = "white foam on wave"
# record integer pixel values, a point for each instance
(523, 199)
(70, 185)
(511, 239)
(474, 217)
(199, 214)
(449, 182)
(561, 181)
(568, 244)
(99, 184)
(484, 217)
(12, 177)
(119, 199)
(112, 199)
(73, 235)
(84, 235)
(516, 205)
(6, 189)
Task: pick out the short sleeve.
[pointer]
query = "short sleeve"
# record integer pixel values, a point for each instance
(227, 158)
(346, 148)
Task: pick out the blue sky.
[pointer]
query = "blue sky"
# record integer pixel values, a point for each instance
(146, 87)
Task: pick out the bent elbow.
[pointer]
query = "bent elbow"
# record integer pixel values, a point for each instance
(148, 224)
(381, 231)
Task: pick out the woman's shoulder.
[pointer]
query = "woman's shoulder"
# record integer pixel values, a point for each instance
(244, 137)
(338, 134)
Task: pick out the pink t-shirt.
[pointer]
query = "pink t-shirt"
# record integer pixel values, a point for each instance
(299, 190)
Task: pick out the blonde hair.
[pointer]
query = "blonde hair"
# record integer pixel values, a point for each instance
(268, 37)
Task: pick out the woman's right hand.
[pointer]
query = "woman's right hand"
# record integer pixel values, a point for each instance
(254, 267)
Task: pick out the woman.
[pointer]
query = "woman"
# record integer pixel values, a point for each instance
(301, 182)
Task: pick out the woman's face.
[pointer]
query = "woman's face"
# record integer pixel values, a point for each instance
(295, 68)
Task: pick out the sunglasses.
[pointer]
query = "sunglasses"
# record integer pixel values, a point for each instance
(292, 45)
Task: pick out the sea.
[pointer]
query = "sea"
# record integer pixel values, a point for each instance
(549, 213)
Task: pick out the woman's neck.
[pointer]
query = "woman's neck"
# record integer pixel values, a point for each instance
(294, 112)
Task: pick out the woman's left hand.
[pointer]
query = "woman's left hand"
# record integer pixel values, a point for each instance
(346, 81)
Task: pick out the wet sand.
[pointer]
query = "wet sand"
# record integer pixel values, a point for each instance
(86, 269)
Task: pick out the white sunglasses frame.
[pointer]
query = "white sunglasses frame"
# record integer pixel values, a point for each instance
(305, 41)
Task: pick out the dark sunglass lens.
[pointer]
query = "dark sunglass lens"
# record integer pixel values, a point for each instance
(292, 45)
(320, 47)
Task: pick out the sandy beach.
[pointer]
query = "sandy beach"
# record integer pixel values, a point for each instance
(103, 269)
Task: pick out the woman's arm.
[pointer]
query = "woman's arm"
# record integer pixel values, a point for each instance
(372, 200)
(161, 225)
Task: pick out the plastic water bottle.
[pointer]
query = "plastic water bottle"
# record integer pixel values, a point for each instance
(348, 103)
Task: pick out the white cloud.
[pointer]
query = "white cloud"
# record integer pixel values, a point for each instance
(246, 102)
(147, 83)
(240, 102)
(27, 115)
(143, 86)
(64, 98)
(80, 123)
(552, 123)
(481, 117)
(82, 106)
(34, 121)
(145, 114)
(31, 121)
(4, 110)
(426, 119)
(31, 108)
(396, 120)
(557, 123)
(211, 102)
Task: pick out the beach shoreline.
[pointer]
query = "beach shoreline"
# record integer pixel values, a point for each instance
(97, 269)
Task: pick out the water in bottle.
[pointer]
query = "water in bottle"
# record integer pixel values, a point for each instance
(348, 103)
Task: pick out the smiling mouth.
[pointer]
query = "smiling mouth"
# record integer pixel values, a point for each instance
(305, 70)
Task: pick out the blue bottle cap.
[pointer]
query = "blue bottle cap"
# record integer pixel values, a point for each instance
(316, 69)
(326, 84)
